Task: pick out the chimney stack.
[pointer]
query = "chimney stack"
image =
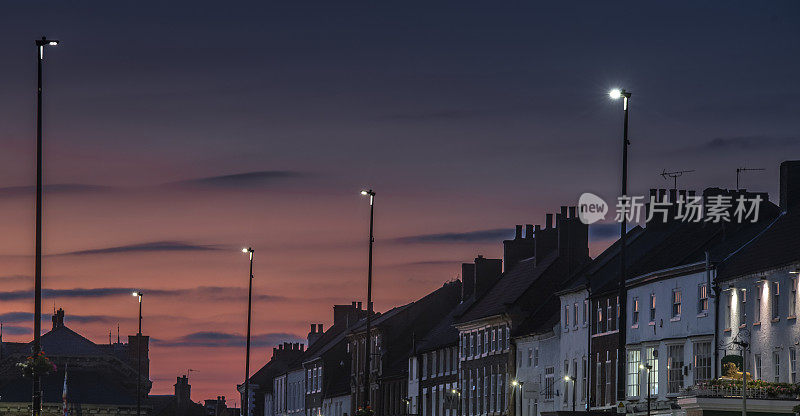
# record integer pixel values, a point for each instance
(790, 185)
(520, 248)
(58, 319)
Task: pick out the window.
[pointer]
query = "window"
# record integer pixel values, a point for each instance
(566, 316)
(702, 361)
(702, 298)
(635, 314)
(609, 385)
(793, 305)
(653, 307)
(600, 320)
(530, 357)
(775, 299)
(536, 357)
(743, 307)
(485, 341)
(776, 362)
(575, 315)
(792, 365)
(675, 368)
(472, 342)
(566, 383)
(609, 318)
(549, 379)
(728, 319)
(585, 380)
(757, 366)
(757, 306)
(494, 339)
(480, 342)
(634, 360)
(585, 311)
(652, 361)
(676, 303)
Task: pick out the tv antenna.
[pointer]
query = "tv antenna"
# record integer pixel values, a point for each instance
(740, 170)
(189, 371)
(674, 175)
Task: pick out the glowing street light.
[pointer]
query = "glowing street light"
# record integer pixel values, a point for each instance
(138, 294)
(36, 397)
(371, 194)
(623, 232)
(569, 378)
(246, 401)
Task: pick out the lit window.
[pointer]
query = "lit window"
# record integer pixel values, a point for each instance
(676, 303)
(634, 358)
(776, 293)
(635, 315)
(702, 296)
(652, 307)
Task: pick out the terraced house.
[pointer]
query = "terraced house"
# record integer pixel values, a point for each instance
(521, 301)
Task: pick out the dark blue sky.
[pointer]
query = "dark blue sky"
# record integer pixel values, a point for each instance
(212, 124)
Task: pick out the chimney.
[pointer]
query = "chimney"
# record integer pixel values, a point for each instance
(519, 248)
(183, 394)
(467, 281)
(358, 304)
(486, 273)
(573, 240)
(58, 319)
(136, 344)
(315, 334)
(790, 185)
(546, 239)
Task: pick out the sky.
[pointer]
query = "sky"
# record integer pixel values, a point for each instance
(178, 132)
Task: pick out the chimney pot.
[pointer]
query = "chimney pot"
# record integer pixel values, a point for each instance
(319, 328)
(359, 305)
(537, 228)
(548, 220)
(572, 212)
(528, 231)
(661, 194)
(563, 211)
(518, 232)
(313, 328)
(673, 195)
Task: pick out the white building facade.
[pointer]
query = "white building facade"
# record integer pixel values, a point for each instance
(538, 386)
(670, 329)
(574, 347)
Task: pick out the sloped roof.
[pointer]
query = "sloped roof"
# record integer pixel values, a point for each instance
(508, 288)
(777, 245)
(445, 332)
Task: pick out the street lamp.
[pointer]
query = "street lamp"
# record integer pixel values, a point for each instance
(371, 195)
(515, 383)
(246, 401)
(574, 388)
(36, 397)
(138, 294)
(457, 394)
(647, 367)
(616, 94)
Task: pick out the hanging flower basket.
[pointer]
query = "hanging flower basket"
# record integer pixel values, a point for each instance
(38, 364)
(364, 412)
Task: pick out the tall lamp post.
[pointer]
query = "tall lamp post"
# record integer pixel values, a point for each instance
(569, 378)
(246, 401)
(371, 195)
(623, 231)
(138, 294)
(518, 384)
(36, 397)
(647, 367)
(457, 394)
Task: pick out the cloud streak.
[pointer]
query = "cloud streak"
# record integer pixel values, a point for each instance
(491, 235)
(148, 247)
(219, 293)
(239, 180)
(226, 339)
(737, 143)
